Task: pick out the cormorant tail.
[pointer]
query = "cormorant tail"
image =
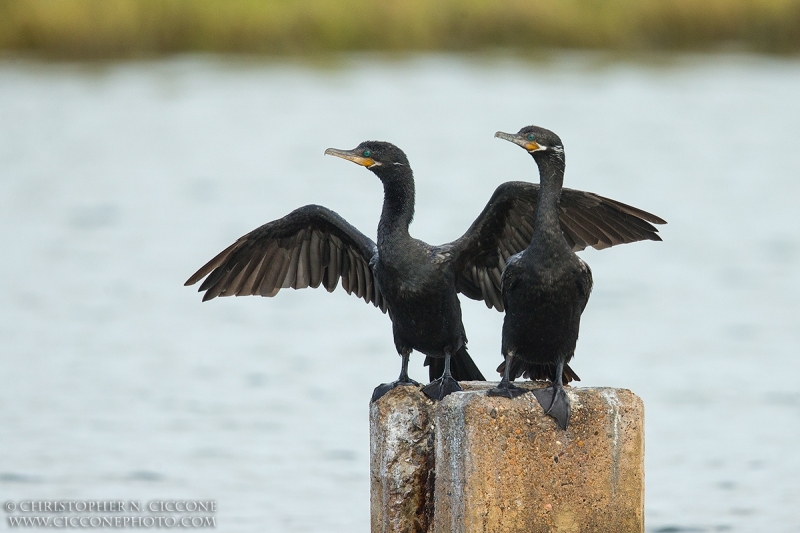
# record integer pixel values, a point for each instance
(462, 367)
(536, 371)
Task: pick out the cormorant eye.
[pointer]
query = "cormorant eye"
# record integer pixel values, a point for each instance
(367, 153)
(530, 136)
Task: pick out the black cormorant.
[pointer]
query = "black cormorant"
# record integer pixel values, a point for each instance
(415, 282)
(545, 288)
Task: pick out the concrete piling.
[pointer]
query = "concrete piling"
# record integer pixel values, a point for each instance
(401, 462)
(504, 466)
(491, 465)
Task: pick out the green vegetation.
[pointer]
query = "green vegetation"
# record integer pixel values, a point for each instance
(134, 28)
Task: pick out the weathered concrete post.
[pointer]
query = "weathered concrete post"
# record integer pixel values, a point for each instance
(502, 466)
(401, 462)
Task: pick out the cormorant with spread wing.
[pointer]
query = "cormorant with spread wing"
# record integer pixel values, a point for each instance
(545, 287)
(415, 282)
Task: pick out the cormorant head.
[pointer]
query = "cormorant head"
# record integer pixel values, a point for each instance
(382, 158)
(539, 142)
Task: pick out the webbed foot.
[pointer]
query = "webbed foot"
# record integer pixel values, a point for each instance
(509, 390)
(439, 388)
(383, 388)
(555, 402)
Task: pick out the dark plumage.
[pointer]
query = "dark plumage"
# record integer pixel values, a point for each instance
(415, 282)
(545, 287)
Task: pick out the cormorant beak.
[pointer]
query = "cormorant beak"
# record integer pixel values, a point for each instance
(351, 155)
(520, 140)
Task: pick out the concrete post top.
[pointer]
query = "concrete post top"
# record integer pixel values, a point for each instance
(620, 405)
(587, 403)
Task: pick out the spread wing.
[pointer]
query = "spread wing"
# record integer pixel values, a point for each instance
(310, 246)
(505, 227)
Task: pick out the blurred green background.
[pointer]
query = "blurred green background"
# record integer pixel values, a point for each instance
(80, 29)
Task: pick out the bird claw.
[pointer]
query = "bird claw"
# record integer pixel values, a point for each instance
(507, 390)
(439, 388)
(383, 388)
(555, 402)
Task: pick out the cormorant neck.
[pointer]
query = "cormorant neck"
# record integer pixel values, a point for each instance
(551, 177)
(398, 200)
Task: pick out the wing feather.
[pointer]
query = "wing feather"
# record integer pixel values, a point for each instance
(274, 282)
(315, 259)
(303, 279)
(308, 247)
(333, 271)
(255, 268)
(236, 281)
(291, 273)
(505, 227)
(596, 237)
(258, 277)
(212, 264)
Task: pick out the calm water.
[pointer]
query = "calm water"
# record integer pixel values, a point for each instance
(118, 181)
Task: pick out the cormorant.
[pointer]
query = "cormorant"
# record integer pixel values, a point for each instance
(415, 282)
(545, 288)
